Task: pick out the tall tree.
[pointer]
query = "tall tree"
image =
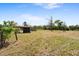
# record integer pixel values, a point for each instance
(51, 24)
(25, 23)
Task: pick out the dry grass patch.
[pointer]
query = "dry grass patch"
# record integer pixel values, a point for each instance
(44, 43)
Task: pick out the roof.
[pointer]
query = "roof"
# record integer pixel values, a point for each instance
(22, 26)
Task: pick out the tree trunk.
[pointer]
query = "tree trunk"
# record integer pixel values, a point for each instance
(1, 39)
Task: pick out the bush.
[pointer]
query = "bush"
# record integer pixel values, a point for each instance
(33, 28)
(6, 31)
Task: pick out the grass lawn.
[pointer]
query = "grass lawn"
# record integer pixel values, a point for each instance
(43, 43)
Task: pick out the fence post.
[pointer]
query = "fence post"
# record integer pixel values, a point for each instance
(16, 36)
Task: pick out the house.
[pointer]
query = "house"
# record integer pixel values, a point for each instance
(25, 29)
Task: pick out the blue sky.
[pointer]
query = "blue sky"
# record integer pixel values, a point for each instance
(39, 13)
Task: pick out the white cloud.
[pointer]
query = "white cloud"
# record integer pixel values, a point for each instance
(43, 5)
(30, 19)
(49, 5)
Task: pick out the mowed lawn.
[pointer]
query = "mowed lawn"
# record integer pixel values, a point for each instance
(43, 43)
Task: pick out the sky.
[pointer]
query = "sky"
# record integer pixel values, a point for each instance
(39, 13)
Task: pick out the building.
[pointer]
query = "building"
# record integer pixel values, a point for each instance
(25, 29)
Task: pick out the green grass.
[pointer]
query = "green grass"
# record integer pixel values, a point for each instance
(53, 43)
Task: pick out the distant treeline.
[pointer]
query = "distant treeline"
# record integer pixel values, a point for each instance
(64, 28)
(56, 25)
(52, 25)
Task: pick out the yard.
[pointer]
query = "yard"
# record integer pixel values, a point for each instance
(43, 43)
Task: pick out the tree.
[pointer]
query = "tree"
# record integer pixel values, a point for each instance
(0, 26)
(45, 27)
(11, 23)
(1, 39)
(25, 24)
(74, 27)
(6, 30)
(71, 27)
(5, 33)
(4, 23)
(59, 24)
(64, 26)
(51, 24)
(33, 28)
